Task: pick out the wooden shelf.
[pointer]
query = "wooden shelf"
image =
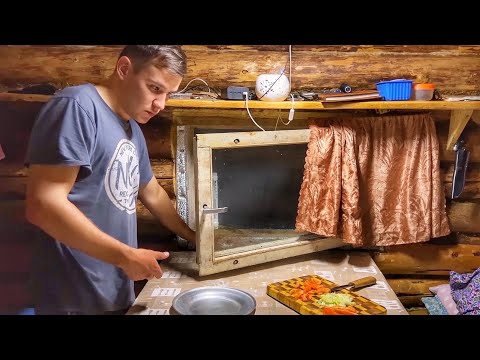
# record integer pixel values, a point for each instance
(318, 105)
(461, 111)
(299, 105)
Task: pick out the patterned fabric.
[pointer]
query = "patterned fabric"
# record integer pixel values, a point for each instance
(373, 181)
(434, 305)
(466, 292)
(444, 293)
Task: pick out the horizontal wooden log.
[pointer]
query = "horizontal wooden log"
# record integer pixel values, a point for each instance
(473, 172)
(225, 65)
(428, 259)
(456, 238)
(414, 286)
(12, 213)
(464, 216)
(417, 311)
(411, 300)
(14, 188)
(163, 168)
(472, 181)
(12, 169)
(468, 239)
(157, 134)
(470, 191)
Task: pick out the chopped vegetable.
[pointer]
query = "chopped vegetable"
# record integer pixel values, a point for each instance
(339, 310)
(305, 290)
(336, 299)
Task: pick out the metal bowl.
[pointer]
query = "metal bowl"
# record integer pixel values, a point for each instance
(214, 301)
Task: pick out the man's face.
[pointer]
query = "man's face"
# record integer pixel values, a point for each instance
(145, 93)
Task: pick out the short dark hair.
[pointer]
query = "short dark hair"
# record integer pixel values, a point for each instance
(170, 57)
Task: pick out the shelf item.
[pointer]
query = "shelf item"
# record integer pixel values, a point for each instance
(362, 95)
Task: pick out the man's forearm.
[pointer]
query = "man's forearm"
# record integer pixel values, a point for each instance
(66, 223)
(167, 215)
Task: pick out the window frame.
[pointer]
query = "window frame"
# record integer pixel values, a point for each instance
(208, 262)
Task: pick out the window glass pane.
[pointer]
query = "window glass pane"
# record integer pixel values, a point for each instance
(260, 186)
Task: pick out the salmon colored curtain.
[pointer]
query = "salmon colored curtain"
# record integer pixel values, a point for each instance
(373, 181)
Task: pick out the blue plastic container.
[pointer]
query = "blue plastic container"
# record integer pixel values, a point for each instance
(399, 89)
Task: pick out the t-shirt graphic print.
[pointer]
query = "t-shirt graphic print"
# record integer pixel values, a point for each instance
(122, 177)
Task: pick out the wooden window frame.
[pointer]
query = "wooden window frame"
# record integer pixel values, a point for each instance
(208, 261)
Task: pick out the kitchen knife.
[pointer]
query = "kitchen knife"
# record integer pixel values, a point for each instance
(460, 168)
(356, 284)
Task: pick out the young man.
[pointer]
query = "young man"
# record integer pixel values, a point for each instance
(88, 163)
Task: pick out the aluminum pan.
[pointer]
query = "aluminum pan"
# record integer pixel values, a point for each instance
(210, 300)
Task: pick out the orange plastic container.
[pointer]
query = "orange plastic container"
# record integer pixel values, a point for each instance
(423, 91)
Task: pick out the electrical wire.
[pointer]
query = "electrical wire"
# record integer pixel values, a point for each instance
(198, 79)
(248, 111)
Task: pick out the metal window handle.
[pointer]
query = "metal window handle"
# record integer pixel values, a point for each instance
(207, 210)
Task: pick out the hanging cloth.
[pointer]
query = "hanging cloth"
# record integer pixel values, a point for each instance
(373, 181)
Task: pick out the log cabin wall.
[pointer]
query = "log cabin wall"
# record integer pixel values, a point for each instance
(411, 269)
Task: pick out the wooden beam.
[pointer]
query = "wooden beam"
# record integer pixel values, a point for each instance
(464, 216)
(162, 168)
(473, 172)
(418, 311)
(415, 286)
(468, 239)
(12, 169)
(225, 65)
(458, 121)
(476, 117)
(428, 259)
(470, 191)
(411, 300)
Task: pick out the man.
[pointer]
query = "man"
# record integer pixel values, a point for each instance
(88, 162)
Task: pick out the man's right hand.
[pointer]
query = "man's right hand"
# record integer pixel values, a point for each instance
(142, 264)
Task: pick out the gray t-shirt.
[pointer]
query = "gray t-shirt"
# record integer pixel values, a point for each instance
(77, 128)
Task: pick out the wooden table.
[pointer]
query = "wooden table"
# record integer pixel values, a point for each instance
(181, 273)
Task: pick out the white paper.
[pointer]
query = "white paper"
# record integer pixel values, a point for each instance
(325, 274)
(154, 312)
(367, 269)
(165, 291)
(388, 304)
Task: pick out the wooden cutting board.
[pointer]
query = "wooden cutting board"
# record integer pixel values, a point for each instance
(280, 291)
